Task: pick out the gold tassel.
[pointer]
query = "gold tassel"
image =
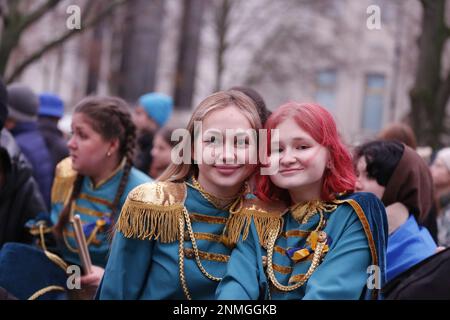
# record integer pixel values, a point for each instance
(63, 182)
(239, 223)
(62, 189)
(149, 221)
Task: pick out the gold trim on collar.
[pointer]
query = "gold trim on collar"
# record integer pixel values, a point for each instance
(303, 211)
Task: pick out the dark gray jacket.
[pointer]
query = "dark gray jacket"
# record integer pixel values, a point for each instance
(20, 198)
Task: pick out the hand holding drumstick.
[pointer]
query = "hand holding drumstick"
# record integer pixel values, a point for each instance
(93, 274)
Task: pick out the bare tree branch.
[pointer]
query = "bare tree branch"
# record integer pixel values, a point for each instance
(62, 38)
(37, 14)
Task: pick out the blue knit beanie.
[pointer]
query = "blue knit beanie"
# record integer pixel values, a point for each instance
(158, 106)
(50, 105)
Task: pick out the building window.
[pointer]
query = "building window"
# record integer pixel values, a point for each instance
(326, 83)
(373, 103)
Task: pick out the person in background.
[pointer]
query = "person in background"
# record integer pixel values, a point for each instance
(400, 132)
(23, 107)
(161, 151)
(153, 112)
(403, 133)
(440, 170)
(51, 109)
(264, 113)
(94, 182)
(398, 176)
(20, 199)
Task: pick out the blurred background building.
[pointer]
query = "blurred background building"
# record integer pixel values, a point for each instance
(303, 50)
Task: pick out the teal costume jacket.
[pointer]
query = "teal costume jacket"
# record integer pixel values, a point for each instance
(145, 257)
(356, 229)
(94, 205)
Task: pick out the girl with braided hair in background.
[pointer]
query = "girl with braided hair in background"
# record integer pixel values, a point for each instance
(95, 180)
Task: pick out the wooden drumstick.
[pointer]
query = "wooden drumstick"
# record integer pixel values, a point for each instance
(83, 250)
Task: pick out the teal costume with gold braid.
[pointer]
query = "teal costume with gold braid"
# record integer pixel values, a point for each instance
(94, 205)
(145, 260)
(323, 251)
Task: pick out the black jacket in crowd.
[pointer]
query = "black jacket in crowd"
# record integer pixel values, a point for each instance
(20, 198)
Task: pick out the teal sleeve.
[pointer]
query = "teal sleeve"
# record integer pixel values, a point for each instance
(245, 278)
(343, 272)
(127, 269)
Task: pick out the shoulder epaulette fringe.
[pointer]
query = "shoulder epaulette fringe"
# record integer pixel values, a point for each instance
(267, 217)
(63, 182)
(152, 211)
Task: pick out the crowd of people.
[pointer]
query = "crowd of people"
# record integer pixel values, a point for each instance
(217, 224)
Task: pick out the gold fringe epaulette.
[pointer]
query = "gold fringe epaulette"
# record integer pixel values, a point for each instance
(152, 211)
(63, 182)
(267, 217)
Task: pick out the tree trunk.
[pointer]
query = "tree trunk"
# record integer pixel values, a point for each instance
(188, 52)
(428, 93)
(222, 28)
(94, 59)
(142, 36)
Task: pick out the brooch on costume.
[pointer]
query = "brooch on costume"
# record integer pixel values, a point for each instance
(301, 253)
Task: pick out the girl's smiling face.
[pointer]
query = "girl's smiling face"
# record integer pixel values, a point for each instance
(301, 159)
(226, 151)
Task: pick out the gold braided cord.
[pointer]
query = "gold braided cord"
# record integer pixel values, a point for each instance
(93, 235)
(66, 242)
(45, 290)
(56, 260)
(41, 233)
(53, 257)
(195, 248)
(301, 212)
(321, 223)
(318, 255)
(181, 258)
(89, 241)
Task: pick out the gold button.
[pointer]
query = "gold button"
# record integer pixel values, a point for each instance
(322, 236)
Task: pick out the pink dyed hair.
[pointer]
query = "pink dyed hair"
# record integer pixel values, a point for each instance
(320, 125)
